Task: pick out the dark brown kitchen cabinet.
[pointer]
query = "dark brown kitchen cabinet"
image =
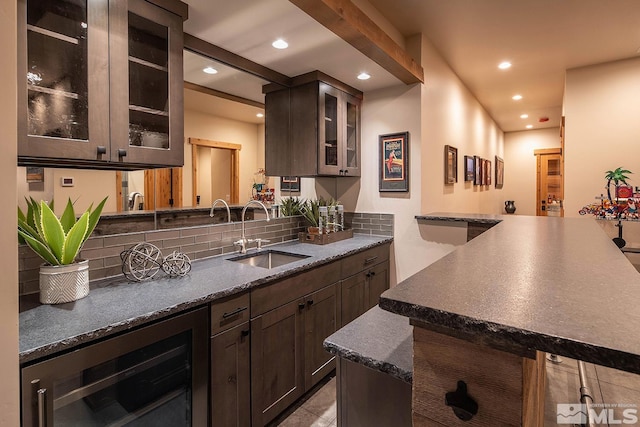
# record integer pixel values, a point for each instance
(277, 364)
(230, 378)
(321, 317)
(230, 364)
(365, 277)
(101, 85)
(315, 130)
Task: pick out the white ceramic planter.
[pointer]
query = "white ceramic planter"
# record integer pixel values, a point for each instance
(64, 283)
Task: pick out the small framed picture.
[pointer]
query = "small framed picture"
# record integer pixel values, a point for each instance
(477, 170)
(394, 162)
(499, 172)
(488, 171)
(450, 164)
(290, 183)
(469, 168)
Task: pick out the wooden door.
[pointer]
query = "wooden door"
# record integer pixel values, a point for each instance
(277, 371)
(377, 283)
(352, 296)
(231, 378)
(162, 188)
(320, 321)
(549, 180)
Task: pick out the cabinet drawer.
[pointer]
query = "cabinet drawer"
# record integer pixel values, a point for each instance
(229, 312)
(271, 296)
(365, 259)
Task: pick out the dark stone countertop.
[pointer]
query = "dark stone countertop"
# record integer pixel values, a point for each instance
(379, 340)
(116, 305)
(558, 285)
(461, 217)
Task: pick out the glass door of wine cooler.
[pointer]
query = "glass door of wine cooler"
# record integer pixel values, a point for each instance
(154, 376)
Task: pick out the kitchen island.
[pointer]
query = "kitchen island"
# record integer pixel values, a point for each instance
(484, 314)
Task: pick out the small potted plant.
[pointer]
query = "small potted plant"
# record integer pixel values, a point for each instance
(63, 277)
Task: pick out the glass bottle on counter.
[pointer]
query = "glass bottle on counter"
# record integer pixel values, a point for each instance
(340, 217)
(322, 220)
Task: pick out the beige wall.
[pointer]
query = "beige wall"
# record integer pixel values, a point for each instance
(10, 393)
(205, 126)
(602, 128)
(451, 115)
(442, 111)
(520, 165)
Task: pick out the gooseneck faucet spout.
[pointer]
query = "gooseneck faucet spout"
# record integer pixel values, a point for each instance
(215, 202)
(243, 240)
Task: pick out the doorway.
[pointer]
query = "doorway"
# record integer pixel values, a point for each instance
(211, 159)
(549, 182)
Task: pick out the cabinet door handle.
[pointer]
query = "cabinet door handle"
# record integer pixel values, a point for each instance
(346, 171)
(234, 312)
(42, 409)
(122, 152)
(310, 302)
(102, 149)
(245, 333)
(370, 260)
(301, 305)
(373, 273)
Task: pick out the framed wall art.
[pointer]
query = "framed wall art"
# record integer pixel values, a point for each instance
(450, 164)
(394, 162)
(499, 172)
(469, 168)
(290, 183)
(477, 170)
(488, 171)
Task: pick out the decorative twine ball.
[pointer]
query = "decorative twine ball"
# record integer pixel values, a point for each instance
(176, 264)
(141, 262)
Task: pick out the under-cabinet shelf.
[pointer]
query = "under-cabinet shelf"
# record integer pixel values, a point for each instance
(52, 34)
(148, 110)
(52, 91)
(148, 64)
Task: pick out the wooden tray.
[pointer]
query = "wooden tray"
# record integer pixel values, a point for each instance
(323, 239)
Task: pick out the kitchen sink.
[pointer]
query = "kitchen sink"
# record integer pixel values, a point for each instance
(268, 259)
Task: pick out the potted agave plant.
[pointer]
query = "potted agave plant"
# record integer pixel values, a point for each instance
(63, 277)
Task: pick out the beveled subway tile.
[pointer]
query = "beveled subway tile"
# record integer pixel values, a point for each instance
(94, 242)
(194, 231)
(124, 239)
(209, 238)
(154, 236)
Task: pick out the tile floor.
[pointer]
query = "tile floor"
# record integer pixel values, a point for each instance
(318, 407)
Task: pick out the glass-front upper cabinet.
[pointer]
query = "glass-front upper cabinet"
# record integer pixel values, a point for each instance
(146, 87)
(62, 82)
(101, 83)
(339, 136)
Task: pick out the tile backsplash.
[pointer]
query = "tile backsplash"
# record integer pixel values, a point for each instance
(103, 252)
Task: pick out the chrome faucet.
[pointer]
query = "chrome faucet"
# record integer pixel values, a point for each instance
(243, 240)
(215, 202)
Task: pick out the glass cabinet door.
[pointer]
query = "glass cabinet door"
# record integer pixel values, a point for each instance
(147, 88)
(352, 137)
(330, 155)
(63, 103)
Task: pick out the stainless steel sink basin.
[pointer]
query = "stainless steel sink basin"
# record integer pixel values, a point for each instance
(268, 258)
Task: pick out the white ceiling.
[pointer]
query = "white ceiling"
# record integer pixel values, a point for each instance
(542, 38)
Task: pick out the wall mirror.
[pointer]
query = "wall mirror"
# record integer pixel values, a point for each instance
(224, 153)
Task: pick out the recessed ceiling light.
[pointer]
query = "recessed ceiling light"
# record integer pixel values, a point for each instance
(260, 115)
(280, 44)
(504, 65)
(524, 116)
(210, 70)
(529, 126)
(516, 97)
(364, 76)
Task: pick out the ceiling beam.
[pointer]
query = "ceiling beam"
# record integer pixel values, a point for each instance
(351, 24)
